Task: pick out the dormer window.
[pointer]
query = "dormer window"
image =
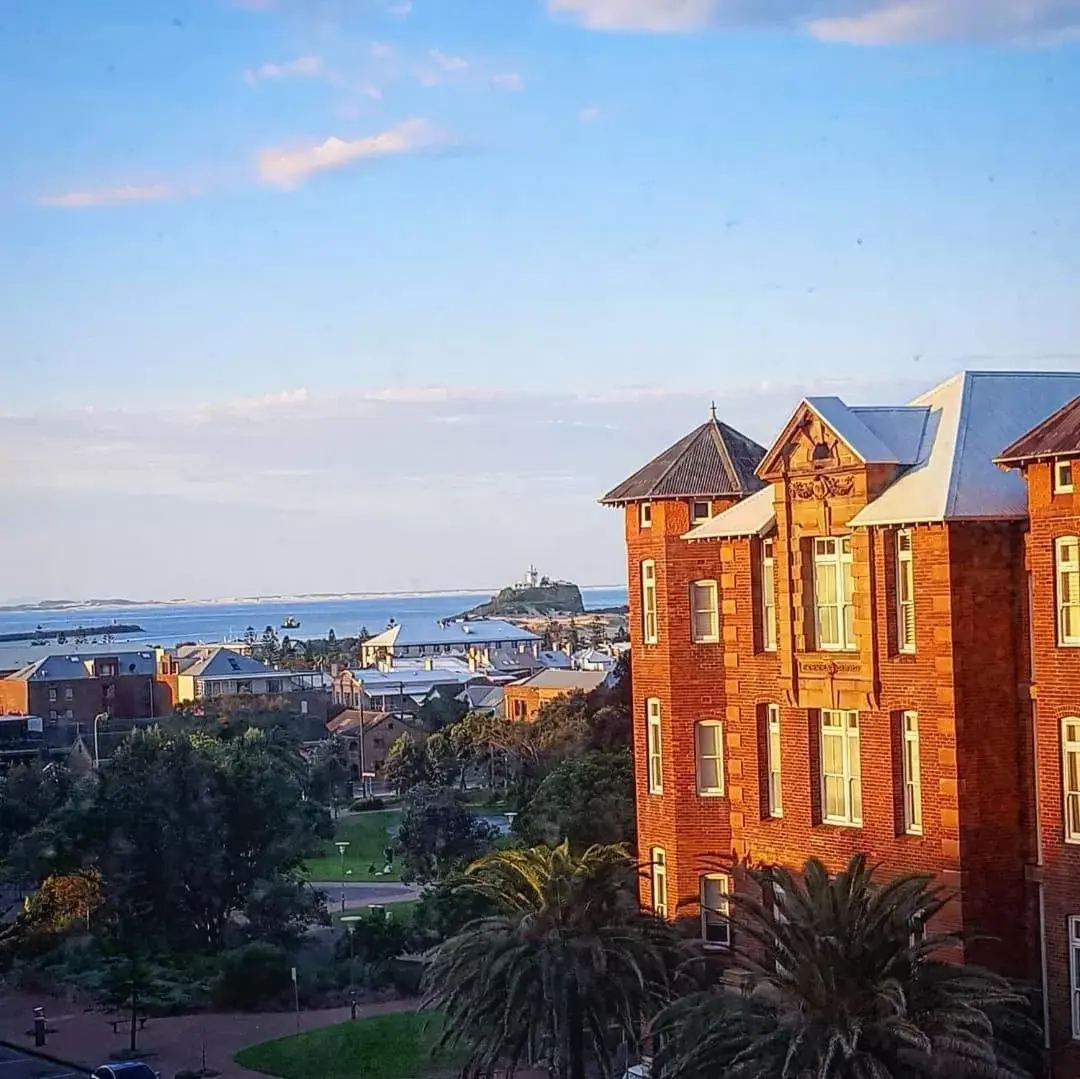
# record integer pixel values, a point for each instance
(700, 511)
(645, 518)
(1063, 477)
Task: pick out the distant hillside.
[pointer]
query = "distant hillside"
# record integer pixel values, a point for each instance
(562, 597)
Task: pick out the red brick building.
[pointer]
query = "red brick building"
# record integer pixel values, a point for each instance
(522, 700)
(832, 652)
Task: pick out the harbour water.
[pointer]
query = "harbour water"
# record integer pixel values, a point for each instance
(169, 623)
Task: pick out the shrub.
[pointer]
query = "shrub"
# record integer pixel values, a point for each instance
(253, 975)
(366, 805)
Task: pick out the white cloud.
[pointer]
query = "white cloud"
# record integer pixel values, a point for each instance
(288, 168)
(112, 196)
(448, 63)
(590, 114)
(308, 67)
(400, 10)
(860, 22)
(509, 80)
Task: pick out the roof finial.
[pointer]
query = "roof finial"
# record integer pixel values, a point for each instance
(712, 410)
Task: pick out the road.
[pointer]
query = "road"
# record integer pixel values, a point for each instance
(361, 893)
(16, 1065)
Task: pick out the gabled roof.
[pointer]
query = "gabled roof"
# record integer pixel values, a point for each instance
(462, 632)
(226, 662)
(53, 669)
(1057, 436)
(753, 516)
(714, 460)
(971, 416)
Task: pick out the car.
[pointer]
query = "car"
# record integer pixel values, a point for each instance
(126, 1069)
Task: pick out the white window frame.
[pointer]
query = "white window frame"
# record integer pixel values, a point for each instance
(716, 727)
(768, 595)
(833, 561)
(773, 769)
(658, 881)
(1070, 747)
(1063, 486)
(697, 518)
(649, 626)
(711, 611)
(1063, 566)
(53, 696)
(645, 515)
(842, 727)
(1074, 972)
(905, 584)
(722, 908)
(654, 740)
(912, 770)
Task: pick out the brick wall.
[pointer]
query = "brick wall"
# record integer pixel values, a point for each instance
(13, 697)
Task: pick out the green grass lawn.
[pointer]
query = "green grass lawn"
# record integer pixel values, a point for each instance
(368, 836)
(396, 1046)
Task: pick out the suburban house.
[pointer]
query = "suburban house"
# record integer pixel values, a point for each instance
(368, 737)
(403, 688)
(522, 700)
(475, 640)
(866, 637)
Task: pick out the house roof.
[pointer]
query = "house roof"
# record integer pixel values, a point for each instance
(567, 681)
(971, 416)
(411, 679)
(225, 662)
(461, 632)
(753, 516)
(1056, 436)
(713, 460)
(352, 719)
(484, 696)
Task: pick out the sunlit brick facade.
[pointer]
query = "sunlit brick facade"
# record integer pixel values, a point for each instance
(838, 658)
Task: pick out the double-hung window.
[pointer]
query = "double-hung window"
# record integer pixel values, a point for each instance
(1067, 563)
(645, 515)
(774, 800)
(1070, 753)
(833, 589)
(841, 770)
(658, 874)
(704, 612)
(768, 596)
(912, 778)
(1074, 972)
(715, 909)
(654, 745)
(648, 601)
(905, 593)
(1063, 477)
(709, 750)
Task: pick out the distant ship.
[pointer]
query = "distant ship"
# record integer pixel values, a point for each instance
(290, 623)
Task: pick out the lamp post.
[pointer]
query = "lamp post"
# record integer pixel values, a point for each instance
(101, 716)
(342, 845)
(350, 921)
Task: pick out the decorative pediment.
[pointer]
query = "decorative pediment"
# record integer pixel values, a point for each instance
(808, 446)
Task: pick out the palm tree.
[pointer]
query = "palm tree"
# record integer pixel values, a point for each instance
(842, 978)
(568, 968)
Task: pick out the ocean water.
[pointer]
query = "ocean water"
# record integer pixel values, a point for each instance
(168, 623)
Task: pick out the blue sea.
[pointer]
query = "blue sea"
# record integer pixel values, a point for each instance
(167, 624)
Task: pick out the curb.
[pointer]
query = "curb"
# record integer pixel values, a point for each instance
(35, 1052)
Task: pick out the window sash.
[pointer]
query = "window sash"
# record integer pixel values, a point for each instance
(912, 775)
(654, 738)
(709, 751)
(704, 612)
(1063, 477)
(768, 596)
(1070, 753)
(773, 756)
(1074, 973)
(834, 586)
(841, 768)
(905, 592)
(648, 601)
(1067, 564)
(658, 877)
(715, 909)
(700, 511)
(645, 515)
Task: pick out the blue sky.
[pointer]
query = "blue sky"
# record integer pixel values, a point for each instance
(258, 207)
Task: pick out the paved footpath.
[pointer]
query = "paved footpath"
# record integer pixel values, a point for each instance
(86, 1038)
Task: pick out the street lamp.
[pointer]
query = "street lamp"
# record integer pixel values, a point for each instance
(350, 921)
(100, 717)
(342, 845)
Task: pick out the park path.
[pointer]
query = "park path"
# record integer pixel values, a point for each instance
(86, 1038)
(361, 893)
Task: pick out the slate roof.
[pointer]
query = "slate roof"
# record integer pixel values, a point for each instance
(1057, 436)
(714, 460)
(225, 662)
